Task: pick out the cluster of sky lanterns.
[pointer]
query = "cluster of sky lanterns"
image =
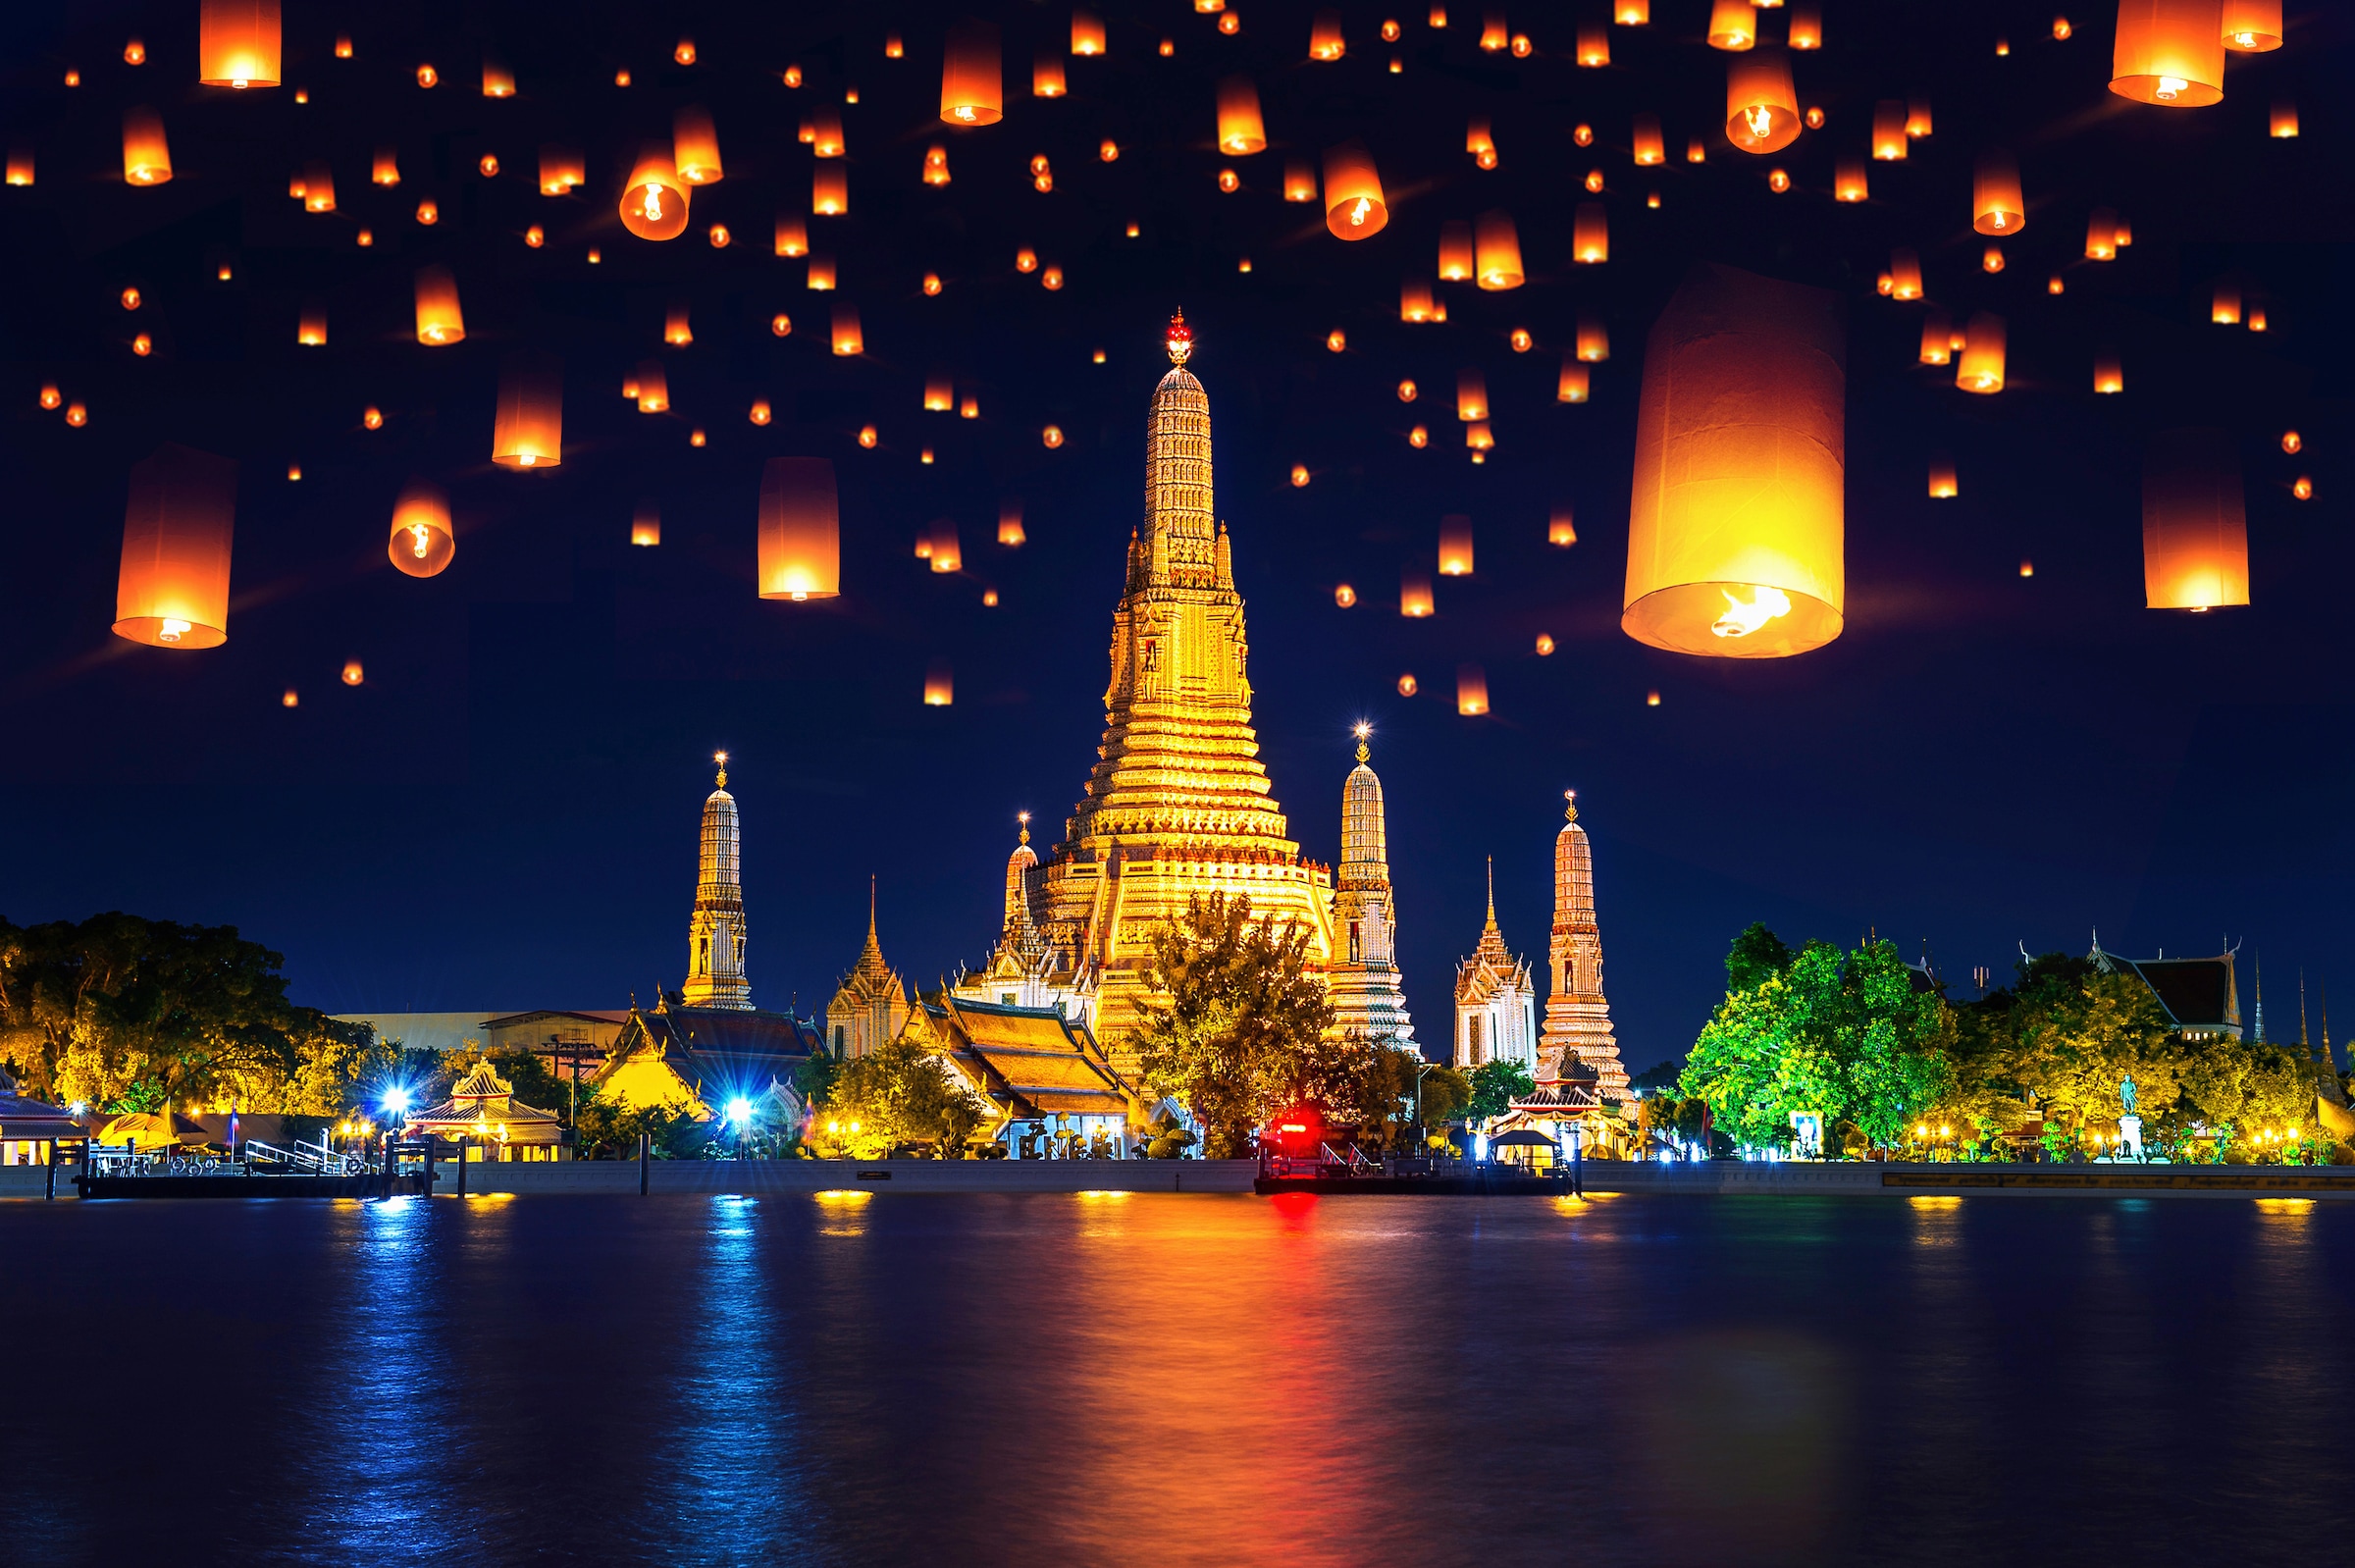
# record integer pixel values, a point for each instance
(1712, 442)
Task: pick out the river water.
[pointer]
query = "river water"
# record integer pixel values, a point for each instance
(1153, 1379)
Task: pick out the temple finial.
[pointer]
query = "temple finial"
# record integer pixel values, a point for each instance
(1491, 892)
(1570, 812)
(1362, 731)
(1023, 817)
(1181, 339)
(721, 757)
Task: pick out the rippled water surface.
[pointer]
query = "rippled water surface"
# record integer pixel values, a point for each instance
(1152, 1379)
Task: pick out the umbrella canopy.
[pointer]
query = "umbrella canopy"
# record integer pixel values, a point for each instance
(152, 1129)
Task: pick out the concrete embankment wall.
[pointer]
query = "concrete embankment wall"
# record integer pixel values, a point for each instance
(875, 1175)
(1733, 1179)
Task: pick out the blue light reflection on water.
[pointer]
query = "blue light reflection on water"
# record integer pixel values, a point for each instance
(860, 1379)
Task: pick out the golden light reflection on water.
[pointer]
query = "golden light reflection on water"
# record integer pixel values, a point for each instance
(2285, 1205)
(844, 1211)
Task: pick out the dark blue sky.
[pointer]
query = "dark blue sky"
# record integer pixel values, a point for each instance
(503, 815)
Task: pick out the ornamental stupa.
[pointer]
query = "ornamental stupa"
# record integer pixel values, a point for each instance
(1178, 806)
(715, 932)
(1578, 1021)
(1363, 980)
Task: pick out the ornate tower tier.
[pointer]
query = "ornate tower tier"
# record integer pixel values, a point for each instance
(1578, 1021)
(715, 932)
(1178, 803)
(1363, 982)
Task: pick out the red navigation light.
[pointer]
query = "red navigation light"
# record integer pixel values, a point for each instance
(1294, 1126)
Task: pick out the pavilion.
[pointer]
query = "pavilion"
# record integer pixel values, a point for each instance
(482, 1105)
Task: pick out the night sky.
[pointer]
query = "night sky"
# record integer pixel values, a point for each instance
(503, 815)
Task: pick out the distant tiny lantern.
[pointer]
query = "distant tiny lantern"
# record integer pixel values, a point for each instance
(146, 156)
(1456, 546)
(801, 530)
(428, 213)
(310, 327)
(653, 205)
(237, 43)
(1778, 180)
(1353, 200)
(1943, 485)
(289, 697)
(1414, 594)
(1337, 340)
(1574, 383)
(1591, 235)
(134, 53)
(1762, 107)
(1544, 644)
(868, 437)
(1418, 438)
(971, 89)
(1299, 179)
(1471, 690)
(653, 389)
(385, 170)
(683, 53)
(172, 590)
(2284, 120)
(1520, 339)
(1406, 686)
(2168, 52)
(1992, 260)
(2292, 441)
(1051, 436)
(439, 322)
(77, 415)
(1735, 531)
(1300, 476)
(528, 430)
(941, 684)
(1593, 339)
(1733, 24)
(427, 76)
(354, 672)
(422, 543)
(782, 325)
(936, 165)
(141, 344)
(489, 165)
(1905, 273)
(1980, 369)
(645, 525)
(1996, 207)
(372, 418)
(1010, 524)
(1561, 530)
(51, 397)
(2109, 375)
(1650, 147)
(2196, 534)
(1498, 249)
(694, 146)
(759, 413)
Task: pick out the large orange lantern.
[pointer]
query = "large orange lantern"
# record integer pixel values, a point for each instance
(1241, 130)
(2168, 52)
(1807, 24)
(653, 205)
(1353, 205)
(237, 43)
(1456, 546)
(972, 91)
(801, 530)
(1414, 593)
(1497, 250)
(1762, 105)
(172, 588)
(1980, 369)
(2195, 530)
(439, 322)
(1650, 146)
(848, 340)
(1471, 690)
(1471, 394)
(2252, 26)
(528, 430)
(829, 190)
(1591, 234)
(422, 542)
(1735, 531)
(1996, 204)
(1087, 33)
(694, 146)
(146, 156)
(1733, 24)
(1889, 139)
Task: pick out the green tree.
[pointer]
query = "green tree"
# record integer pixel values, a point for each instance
(896, 1095)
(1243, 1033)
(1756, 954)
(1445, 1097)
(1496, 1085)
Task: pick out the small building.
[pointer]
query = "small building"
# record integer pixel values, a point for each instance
(482, 1105)
(1495, 1005)
(2201, 997)
(1568, 1103)
(696, 1060)
(1040, 1072)
(871, 1005)
(28, 1127)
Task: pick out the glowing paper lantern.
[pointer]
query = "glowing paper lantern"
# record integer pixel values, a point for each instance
(1943, 485)
(821, 277)
(801, 530)
(947, 553)
(1996, 207)
(940, 395)
(1889, 139)
(1325, 35)
(1593, 339)
(237, 43)
(1299, 179)
(653, 204)
(2109, 375)
(1479, 438)
(2195, 532)
(1497, 250)
(825, 136)
(1591, 235)
(422, 543)
(439, 322)
(677, 331)
(2223, 308)
(20, 165)
(2168, 52)
(385, 170)
(971, 90)
(1415, 302)
(562, 170)
(146, 156)
(1905, 273)
(1561, 530)
(1572, 388)
(173, 587)
(793, 237)
(1937, 339)
(1848, 179)
(1010, 524)
(1733, 24)
(652, 389)
(1353, 202)
(848, 340)
(1762, 107)
(829, 190)
(2252, 26)
(940, 685)
(1456, 546)
(2101, 235)
(1241, 130)
(1471, 690)
(1087, 33)
(1593, 45)
(1456, 264)
(1650, 146)
(1807, 24)
(1981, 367)
(645, 524)
(1736, 530)
(2285, 126)
(497, 81)
(1414, 593)
(311, 329)
(1632, 12)
(529, 430)
(694, 146)
(1471, 395)
(1046, 75)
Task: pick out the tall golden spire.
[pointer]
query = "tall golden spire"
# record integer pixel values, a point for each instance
(1491, 892)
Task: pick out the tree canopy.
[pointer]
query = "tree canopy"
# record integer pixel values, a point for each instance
(897, 1095)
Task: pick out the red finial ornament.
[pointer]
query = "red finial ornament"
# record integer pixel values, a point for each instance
(1181, 339)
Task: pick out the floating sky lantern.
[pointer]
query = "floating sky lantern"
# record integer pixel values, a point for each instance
(1325, 35)
(1650, 146)
(1632, 12)
(497, 81)
(653, 389)
(1572, 387)
(1471, 690)
(1905, 273)
(1299, 179)
(971, 89)
(1591, 235)
(1456, 546)
(1980, 368)
(439, 322)
(678, 330)
(2252, 26)
(1087, 33)
(1046, 75)
(1593, 339)
(1762, 107)
(819, 276)
(2195, 533)
(237, 43)
(1344, 597)
(793, 236)
(2168, 52)
(528, 430)
(2101, 235)
(1415, 302)
(562, 168)
(1471, 394)
(1051, 436)
(1849, 182)
(19, 164)
(1561, 530)
(1733, 24)
(1996, 207)
(146, 156)
(1593, 45)
(421, 544)
(1735, 531)
(825, 137)
(1992, 259)
(694, 146)
(1406, 685)
(1010, 524)
(947, 553)
(2224, 305)
(1807, 24)
(941, 684)
(384, 169)
(940, 392)
(1480, 141)
(653, 204)
(847, 337)
(172, 590)
(2292, 441)
(829, 190)
(645, 524)
(2109, 375)
(1241, 130)
(1497, 250)
(2285, 123)
(1943, 485)
(310, 327)
(1414, 593)
(1889, 140)
(1456, 253)
(801, 530)
(1354, 201)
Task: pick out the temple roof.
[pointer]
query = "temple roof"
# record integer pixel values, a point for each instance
(1029, 1062)
(2194, 993)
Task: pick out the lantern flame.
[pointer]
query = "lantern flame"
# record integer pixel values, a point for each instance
(173, 630)
(1762, 119)
(654, 203)
(2169, 88)
(421, 541)
(1358, 210)
(1742, 617)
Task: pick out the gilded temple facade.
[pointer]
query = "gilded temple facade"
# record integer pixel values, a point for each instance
(715, 931)
(1363, 978)
(1178, 804)
(1496, 1003)
(871, 1005)
(1578, 1020)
